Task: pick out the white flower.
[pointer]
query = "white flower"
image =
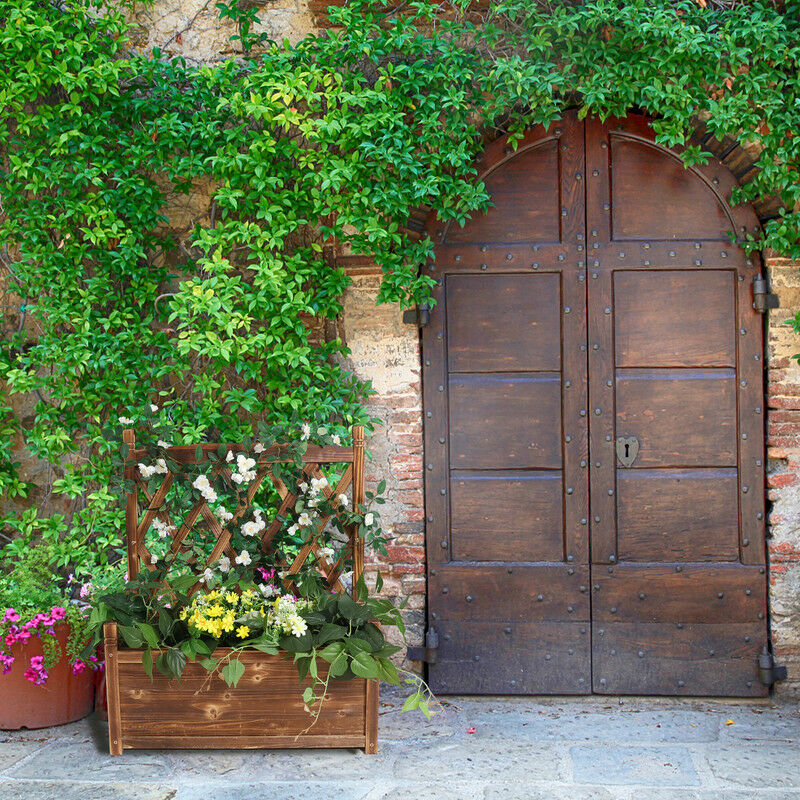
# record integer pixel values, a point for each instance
(161, 466)
(292, 529)
(369, 519)
(154, 559)
(318, 484)
(343, 501)
(298, 625)
(258, 447)
(304, 520)
(268, 590)
(253, 527)
(125, 421)
(145, 471)
(224, 564)
(326, 552)
(306, 428)
(243, 558)
(162, 443)
(336, 439)
(229, 457)
(303, 487)
(207, 575)
(223, 515)
(162, 528)
(201, 483)
(282, 574)
(237, 478)
(153, 407)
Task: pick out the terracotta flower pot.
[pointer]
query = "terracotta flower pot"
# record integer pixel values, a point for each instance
(64, 698)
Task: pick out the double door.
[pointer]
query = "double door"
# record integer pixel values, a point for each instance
(593, 427)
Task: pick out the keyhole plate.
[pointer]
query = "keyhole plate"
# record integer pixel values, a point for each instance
(627, 450)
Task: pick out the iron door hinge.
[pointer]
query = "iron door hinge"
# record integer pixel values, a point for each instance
(420, 316)
(430, 653)
(768, 671)
(762, 298)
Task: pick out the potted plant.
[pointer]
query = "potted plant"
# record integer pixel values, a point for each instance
(246, 620)
(44, 679)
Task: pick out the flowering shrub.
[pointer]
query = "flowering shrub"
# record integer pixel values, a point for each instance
(43, 625)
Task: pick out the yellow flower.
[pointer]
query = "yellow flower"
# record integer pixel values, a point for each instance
(231, 598)
(243, 631)
(215, 611)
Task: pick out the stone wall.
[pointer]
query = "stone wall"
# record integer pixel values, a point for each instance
(783, 479)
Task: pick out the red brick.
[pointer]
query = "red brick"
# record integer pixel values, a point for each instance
(408, 569)
(405, 417)
(405, 554)
(396, 401)
(406, 439)
(414, 499)
(782, 480)
(781, 401)
(414, 514)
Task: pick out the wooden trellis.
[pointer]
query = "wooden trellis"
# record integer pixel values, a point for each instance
(266, 709)
(138, 524)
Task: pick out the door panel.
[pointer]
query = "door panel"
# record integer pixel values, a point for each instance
(504, 386)
(671, 335)
(502, 517)
(492, 325)
(685, 515)
(675, 319)
(681, 418)
(598, 304)
(505, 421)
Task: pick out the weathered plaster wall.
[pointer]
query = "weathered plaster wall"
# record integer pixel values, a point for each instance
(193, 29)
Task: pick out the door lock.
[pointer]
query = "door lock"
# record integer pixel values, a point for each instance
(627, 450)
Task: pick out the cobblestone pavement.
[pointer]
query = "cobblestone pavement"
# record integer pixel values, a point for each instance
(521, 749)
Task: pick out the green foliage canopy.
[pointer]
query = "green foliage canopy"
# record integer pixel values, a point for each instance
(223, 323)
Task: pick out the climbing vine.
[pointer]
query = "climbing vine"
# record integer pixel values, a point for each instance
(164, 227)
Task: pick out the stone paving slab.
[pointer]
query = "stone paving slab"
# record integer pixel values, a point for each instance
(521, 749)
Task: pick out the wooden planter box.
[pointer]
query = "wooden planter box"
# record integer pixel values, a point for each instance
(265, 710)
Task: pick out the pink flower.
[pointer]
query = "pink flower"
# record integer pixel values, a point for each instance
(58, 612)
(23, 636)
(37, 662)
(10, 616)
(10, 640)
(78, 667)
(86, 590)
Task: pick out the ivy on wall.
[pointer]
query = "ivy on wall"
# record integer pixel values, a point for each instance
(112, 305)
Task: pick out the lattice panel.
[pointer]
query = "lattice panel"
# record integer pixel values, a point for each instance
(139, 521)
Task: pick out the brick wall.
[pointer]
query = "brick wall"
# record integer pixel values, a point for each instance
(783, 480)
(386, 351)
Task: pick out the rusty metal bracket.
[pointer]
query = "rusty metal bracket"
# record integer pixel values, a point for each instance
(768, 671)
(762, 297)
(419, 316)
(429, 653)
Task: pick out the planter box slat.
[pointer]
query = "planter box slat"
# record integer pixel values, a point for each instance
(242, 742)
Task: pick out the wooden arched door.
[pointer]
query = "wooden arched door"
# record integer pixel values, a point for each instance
(594, 444)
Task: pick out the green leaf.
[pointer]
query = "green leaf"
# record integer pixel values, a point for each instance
(364, 666)
(232, 672)
(132, 636)
(149, 634)
(412, 701)
(387, 671)
(208, 663)
(147, 662)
